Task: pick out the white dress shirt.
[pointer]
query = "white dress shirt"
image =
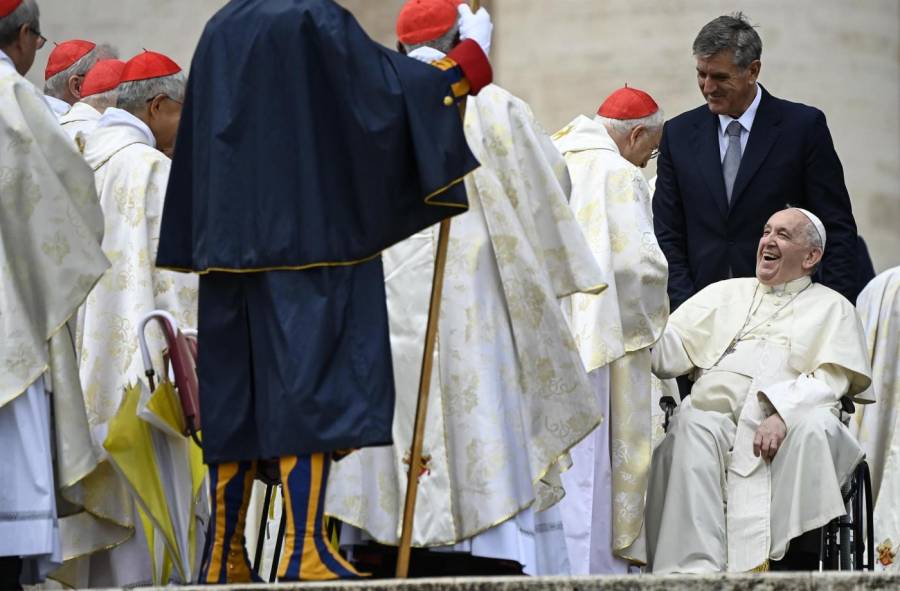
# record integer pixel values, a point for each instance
(746, 121)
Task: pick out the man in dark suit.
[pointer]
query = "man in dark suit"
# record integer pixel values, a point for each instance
(726, 166)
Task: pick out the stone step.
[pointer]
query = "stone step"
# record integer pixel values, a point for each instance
(818, 581)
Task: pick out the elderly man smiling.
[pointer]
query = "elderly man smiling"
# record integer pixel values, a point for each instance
(771, 357)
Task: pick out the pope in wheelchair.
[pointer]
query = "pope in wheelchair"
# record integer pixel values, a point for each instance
(757, 454)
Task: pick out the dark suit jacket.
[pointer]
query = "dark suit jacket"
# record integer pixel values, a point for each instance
(789, 158)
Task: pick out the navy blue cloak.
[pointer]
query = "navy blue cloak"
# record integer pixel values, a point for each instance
(304, 150)
(304, 143)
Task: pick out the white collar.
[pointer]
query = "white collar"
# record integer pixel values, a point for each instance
(59, 107)
(791, 287)
(80, 112)
(113, 117)
(746, 119)
(6, 58)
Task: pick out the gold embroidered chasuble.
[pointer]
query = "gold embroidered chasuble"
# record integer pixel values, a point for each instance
(877, 426)
(81, 118)
(130, 176)
(612, 203)
(51, 226)
(509, 394)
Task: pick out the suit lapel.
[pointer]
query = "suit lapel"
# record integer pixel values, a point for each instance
(706, 149)
(762, 137)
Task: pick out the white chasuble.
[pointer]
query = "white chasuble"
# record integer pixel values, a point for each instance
(878, 426)
(81, 118)
(50, 258)
(611, 201)
(131, 177)
(509, 395)
(800, 349)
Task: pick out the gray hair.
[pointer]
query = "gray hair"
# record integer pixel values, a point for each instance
(102, 100)
(55, 85)
(133, 96)
(444, 43)
(652, 122)
(729, 33)
(27, 13)
(813, 238)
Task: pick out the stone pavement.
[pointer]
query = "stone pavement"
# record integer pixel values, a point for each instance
(742, 582)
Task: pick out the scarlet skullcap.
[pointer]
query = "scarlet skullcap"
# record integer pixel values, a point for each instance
(105, 75)
(147, 65)
(421, 21)
(65, 54)
(7, 6)
(628, 103)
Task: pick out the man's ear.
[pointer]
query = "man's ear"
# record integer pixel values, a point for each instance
(754, 67)
(74, 84)
(22, 38)
(155, 105)
(813, 258)
(636, 133)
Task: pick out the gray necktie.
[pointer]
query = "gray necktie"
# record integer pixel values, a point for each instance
(732, 157)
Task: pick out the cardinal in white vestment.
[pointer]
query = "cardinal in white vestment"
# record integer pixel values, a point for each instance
(877, 426)
(126, 152)
(67, 66)
(50, 258)
(603, 511)
(509, 395)
(98, 92)
(771, 357)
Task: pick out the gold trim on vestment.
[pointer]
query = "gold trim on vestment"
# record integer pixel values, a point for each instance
(429, 200)
(110, 157)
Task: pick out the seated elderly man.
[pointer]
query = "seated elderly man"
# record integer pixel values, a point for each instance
(760, 433)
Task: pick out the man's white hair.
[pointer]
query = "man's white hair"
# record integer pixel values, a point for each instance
(653, 123)
(102, 100)
(57, 84)
(134, 96)
(27, 13)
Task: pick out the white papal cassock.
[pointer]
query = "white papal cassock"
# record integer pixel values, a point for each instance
(604, 506)
(50, 257)
(131, 177)
(878, 426)
(802, 348)
(509, 394)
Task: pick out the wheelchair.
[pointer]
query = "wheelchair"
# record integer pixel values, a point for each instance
(846, 543)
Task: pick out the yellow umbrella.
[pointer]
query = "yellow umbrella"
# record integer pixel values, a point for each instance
(162, 468)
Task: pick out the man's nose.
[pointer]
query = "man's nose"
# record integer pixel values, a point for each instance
(708, 86)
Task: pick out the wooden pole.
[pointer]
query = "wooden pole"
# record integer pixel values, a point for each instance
(418, 439)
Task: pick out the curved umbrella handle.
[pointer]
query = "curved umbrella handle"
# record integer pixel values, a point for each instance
(168, 325)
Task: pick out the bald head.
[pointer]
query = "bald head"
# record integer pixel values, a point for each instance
(791, 247)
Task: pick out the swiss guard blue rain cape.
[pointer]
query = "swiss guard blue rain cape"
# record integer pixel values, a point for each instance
(304, 150)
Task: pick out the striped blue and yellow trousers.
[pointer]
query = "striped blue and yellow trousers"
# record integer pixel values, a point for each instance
(306, 555)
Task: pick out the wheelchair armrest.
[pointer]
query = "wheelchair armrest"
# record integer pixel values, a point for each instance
(668, 405)
(847, 405)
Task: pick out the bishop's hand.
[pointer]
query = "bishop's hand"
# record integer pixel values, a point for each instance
(769, 436)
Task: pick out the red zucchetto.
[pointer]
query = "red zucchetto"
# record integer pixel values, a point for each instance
(105, 75)
(421, 21)
(628, 103)
(147, 65)
(65, 54)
